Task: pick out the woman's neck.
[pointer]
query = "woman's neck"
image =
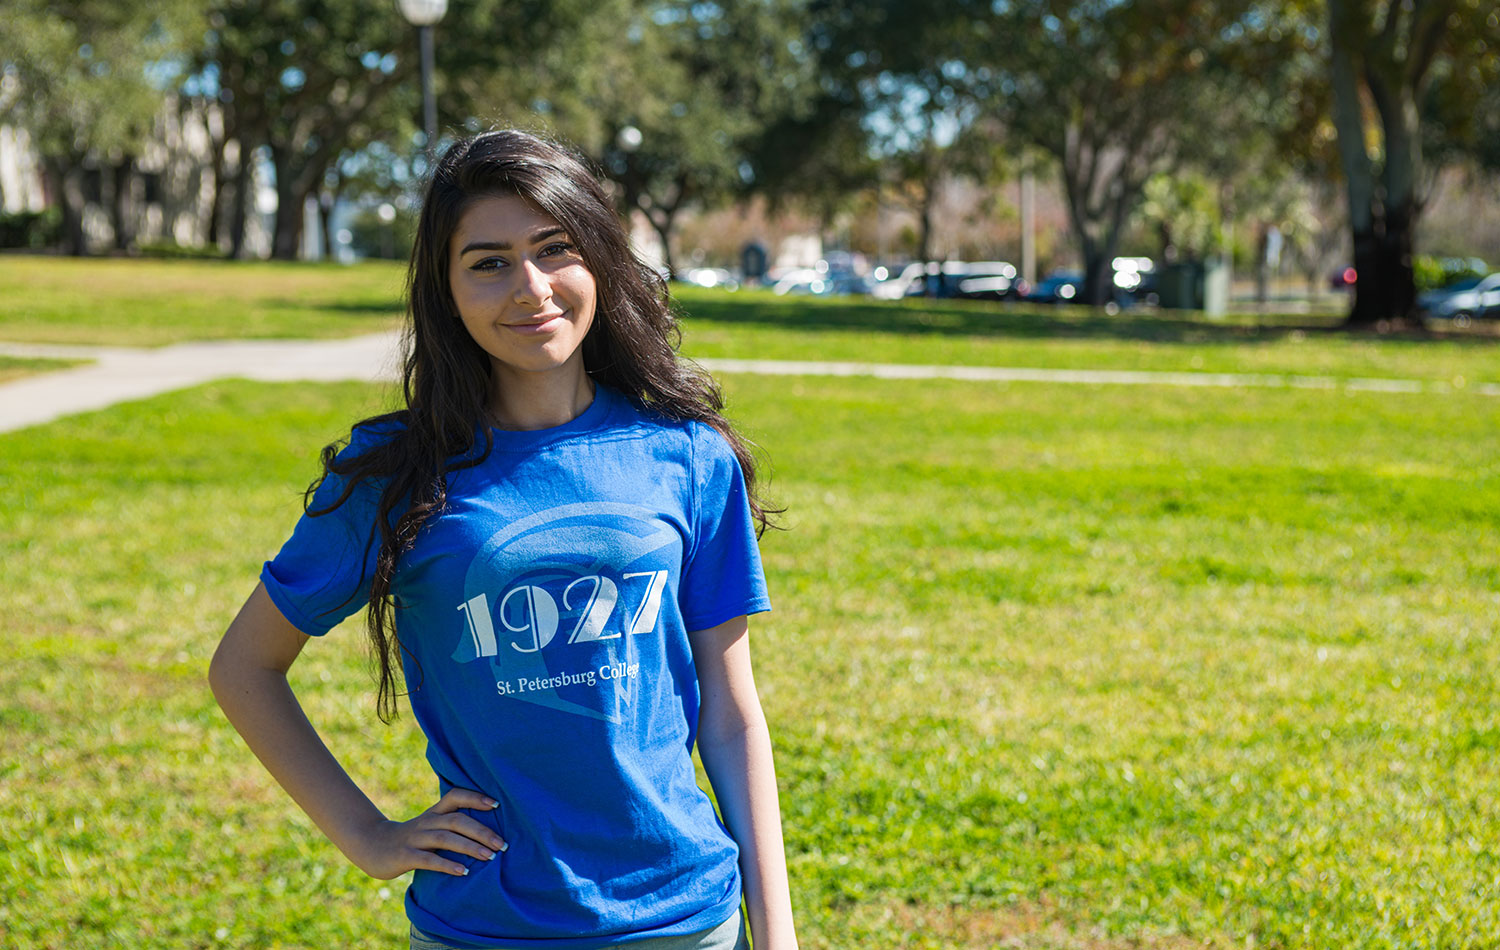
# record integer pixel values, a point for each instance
(528, 401)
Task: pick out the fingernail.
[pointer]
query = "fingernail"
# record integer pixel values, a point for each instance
(492, 803)
(463, 872)
(489, 855)
(505, 846)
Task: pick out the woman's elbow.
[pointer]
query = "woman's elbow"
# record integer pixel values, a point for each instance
(733, 724)
(220, 672)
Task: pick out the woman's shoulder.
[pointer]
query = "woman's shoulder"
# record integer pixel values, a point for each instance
(693, 436)
(373, 433)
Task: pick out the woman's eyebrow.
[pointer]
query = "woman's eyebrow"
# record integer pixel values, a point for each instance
(535, 238)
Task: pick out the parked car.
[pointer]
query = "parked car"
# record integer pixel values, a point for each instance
(1463, 300)
(711, 277)
(989, 280)
(973, 280)
(1136, 279)
(1135, 282)
(1061, 286)
(820, 281)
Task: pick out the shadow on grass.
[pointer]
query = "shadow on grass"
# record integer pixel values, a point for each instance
(1007, 320)
(391, 308)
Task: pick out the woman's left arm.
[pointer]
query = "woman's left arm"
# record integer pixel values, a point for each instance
(736, 750)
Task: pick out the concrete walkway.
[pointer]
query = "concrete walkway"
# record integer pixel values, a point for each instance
(118, 374)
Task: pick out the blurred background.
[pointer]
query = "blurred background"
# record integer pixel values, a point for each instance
(1333, 154)
(1166, 622)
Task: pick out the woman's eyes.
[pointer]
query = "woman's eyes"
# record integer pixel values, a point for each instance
(554, 249)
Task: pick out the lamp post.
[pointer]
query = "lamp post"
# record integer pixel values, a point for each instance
(423, 14)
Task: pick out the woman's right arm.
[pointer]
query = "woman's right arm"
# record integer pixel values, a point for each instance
(248, 677)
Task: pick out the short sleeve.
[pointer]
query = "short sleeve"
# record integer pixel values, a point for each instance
(722, 577)
(323, 572)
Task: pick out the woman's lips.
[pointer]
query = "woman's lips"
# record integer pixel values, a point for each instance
(545, 325)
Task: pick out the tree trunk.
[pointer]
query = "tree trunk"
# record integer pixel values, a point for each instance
(1263, 264)
(123, 206)
(1394, 67)
(924, 241)
(1345, 34)
(328, 203)
(216, 194)
(1368, 308)
(1400, 121)
(1098, 276)
(65, 181)
(239, 218)
(663, 229)
(1097, 207)
(287, 239)
(1396, 265)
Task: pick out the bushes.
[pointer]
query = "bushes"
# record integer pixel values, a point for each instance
(32, 230)
(171, 249)
(1432, 272)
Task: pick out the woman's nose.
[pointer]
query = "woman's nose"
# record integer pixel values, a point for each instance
(532, 286)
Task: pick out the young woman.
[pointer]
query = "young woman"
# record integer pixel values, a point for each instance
(556, 540)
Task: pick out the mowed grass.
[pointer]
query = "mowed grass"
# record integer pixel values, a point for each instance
(15, 367)
(1050, 666)
(150, 302)
(145, 302)
(758, 324)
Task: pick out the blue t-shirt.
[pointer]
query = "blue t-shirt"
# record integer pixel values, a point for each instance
(546, 612)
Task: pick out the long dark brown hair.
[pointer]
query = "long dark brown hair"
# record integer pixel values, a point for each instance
(631, 347)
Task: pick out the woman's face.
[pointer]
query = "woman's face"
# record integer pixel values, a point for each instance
(521, 287)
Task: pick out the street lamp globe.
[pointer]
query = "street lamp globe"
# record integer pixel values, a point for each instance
(629, 138)
(423, 12)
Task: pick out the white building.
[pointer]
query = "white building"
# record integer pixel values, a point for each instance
(170, 184)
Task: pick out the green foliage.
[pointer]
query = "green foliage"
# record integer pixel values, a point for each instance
(80, 69)
(1116, 93)
(1184, 209)
(1461, 103)
(700, 83)
(310, 82)
(1432, 272)
(171, 250)
(32, 230)
(372, 237)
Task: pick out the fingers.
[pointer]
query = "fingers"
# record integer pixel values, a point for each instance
(418, 859)
(462, 798)
(446, 816)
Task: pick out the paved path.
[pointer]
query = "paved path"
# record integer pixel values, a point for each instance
(119, 374)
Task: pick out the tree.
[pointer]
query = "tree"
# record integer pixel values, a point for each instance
(1115, 93)
(82, 73)
(669, 97)
(889, 114)
(1402, 58)
(302, 78)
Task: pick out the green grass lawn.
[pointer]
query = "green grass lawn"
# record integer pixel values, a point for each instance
(151, 302)
(157, 302)
(1065, 666)
(760, 325)
(15, 367)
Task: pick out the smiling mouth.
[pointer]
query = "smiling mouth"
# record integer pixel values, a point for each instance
(535, 326)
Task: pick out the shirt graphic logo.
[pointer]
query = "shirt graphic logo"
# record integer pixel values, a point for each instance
(547, 591)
